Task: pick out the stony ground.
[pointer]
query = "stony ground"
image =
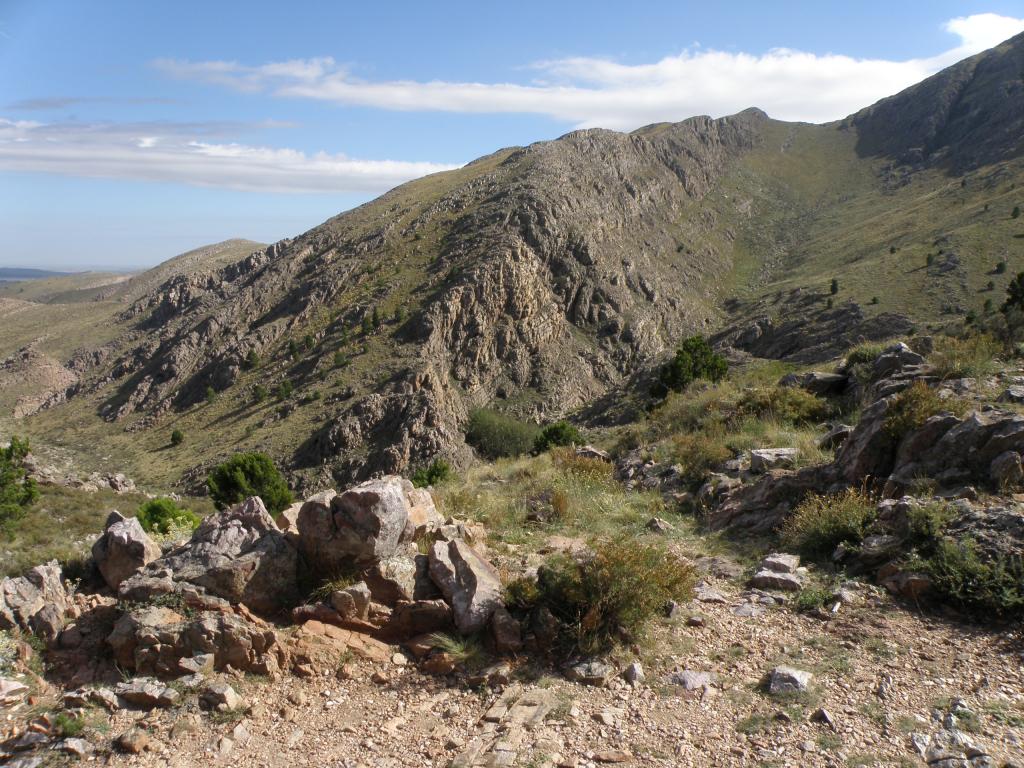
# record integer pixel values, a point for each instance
(880, 672)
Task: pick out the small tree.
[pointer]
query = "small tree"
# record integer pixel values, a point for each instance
(695, 359)
(1014, 295)
(830, 303)
(892, 249)
(376, 318)
(18, 491)
(177, 437)
(245, 475)
(834, 287)
(436, 473)
(259, 394)
(284, 390)
(874, 299)
(340, 359)
(211, 394)
(252, 360)
(399, 315)
(367, 325)
(308, 341)
(558, 433)
(1000, 267)
(929, 259)
(293, 349)
(1015, 214)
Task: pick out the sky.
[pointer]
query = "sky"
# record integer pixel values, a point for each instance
(133, 131)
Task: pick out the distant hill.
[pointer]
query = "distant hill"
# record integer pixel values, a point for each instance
(23, 273)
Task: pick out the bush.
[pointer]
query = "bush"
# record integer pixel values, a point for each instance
(558, 433)
(1015, 213)
(612, 595)
(584, 467)
(259, 393)
(821, 523)
(1000, 267)
(18, 491)
(245, 475)
(925, 524)
(177, 437)
(308, 341)
(162, 515)
(912, 407)
(1014, 294)
(495, 434)
(695, 359)
(252, 360)
(439, 471)
(986, 587)
(833, 287)
(811, 599)
(698, 453)
(211, 394)
(285, 389)
(340, 359)
(788, 404)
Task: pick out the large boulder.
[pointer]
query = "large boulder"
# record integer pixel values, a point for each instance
(123, 549)
(157, 640)
(468, 582)
(356, 528)
(238, 554)
(36, 602)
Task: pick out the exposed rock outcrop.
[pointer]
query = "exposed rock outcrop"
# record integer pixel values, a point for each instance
(123, 549)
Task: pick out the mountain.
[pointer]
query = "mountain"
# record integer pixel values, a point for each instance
(24, 273)
(537, 279)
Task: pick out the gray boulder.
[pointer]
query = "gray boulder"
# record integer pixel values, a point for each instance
(36, 602)
(352, 602)
(123, 549)
(238, 555)
(784, 679)
(358, 527)
(468, 582)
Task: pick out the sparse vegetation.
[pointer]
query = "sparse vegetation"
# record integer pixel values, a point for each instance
(972, 356)
(977, 584)
(177, 437)
(248, 474)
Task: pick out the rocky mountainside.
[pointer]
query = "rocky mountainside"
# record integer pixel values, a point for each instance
(537, 279)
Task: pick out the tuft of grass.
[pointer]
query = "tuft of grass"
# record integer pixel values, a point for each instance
(584, 467)
(912, 407)
(821, 522)
(467, 651)
(812, 598)
(67, 726)
(336, 583)
(969, 357)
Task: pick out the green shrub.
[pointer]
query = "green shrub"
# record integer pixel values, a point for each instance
(811, 599)
(986, 587)
(340, 359)
(833, 287)
(925, 525)
(293, 348)
(912, 407)
(211, 394)
(177, 437)
(1015, 213)
(522, 594)
(611, 595)
(695, 359)
(248, 474)
(1014, 295)
(308, 341)
(821, 522)
(161, 515)
(495, 435)
(285, 389)
(18, 491)
(558, 433)
(252, 360)
(437, 472)
(259, 393)
(789, 404)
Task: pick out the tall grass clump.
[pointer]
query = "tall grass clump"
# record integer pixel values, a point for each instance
(821, 522)
(912, 407)
(972, 356)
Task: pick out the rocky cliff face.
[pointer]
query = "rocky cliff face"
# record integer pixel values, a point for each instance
(548, 273)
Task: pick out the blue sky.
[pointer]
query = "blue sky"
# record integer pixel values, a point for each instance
(132, 131)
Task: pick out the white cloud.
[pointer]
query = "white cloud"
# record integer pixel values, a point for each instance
(185, 153)
(586, 92)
